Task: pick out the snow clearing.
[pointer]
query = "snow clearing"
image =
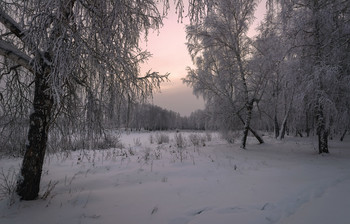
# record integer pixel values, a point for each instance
(203, 182)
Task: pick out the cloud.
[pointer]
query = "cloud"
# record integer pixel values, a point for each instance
(170, 55)
(178, 98)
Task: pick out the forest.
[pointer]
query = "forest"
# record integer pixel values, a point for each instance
(70, 73)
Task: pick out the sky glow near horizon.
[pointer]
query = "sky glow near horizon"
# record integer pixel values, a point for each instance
(170, 55)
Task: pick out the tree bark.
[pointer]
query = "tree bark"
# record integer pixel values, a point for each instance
(283, 127)
(256, 135)
(298, 132)
(323, 142)
(10, 51)
(29, 181)
(307, 128)
(248, 118)
(276, 126)
(322, 133)
(343, 135)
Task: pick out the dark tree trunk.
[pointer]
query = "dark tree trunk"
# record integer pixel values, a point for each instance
(322, 133)
(323, 142)
(276, 126)
(343, 135)
(256, 135)
(283, 129)
(299, 133)
(128, 114)
(29, 181)
(307, 128)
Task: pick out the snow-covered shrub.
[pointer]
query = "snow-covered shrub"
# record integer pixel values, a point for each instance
(197, 139)
(162, 138)
(119, 145)
(146, 154)
(157, 153)
(151, 139)
(49, 188)
(203, 139)
(194, 139)
(179, 140)
(13, 139)
(105, 142)
(79, 142)
(229, 136)
(131, 151)
(8, 182)
(137, 142)
(149, 154)
(208, 136)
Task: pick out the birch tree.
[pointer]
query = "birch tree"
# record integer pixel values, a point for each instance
(319, 31)
(65, 46)
(278, 60)
(221, 50)
(62, 44)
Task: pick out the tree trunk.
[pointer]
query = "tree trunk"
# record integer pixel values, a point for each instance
(276, 126)
(128, 114)
(298, 132)
(307, 128)
(343, 135)
(29, 182)
(283, 128)
(256, 135)
(322, 133)
(249, 108)
(323, 142)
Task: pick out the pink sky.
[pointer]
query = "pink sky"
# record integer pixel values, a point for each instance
(170, 55)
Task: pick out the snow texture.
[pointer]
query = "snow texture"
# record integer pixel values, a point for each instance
(277, 182)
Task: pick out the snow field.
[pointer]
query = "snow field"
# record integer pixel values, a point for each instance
(277, 182)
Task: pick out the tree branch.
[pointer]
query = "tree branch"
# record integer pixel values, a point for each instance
(12, 25)
(11, 52)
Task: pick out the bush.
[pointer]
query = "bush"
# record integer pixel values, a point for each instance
(137, 142)
(208, 135)
(179, 141)
(194, 139)
(197, 139)
(62, 142)
(8, 182)
(162, 138)
(13, 139)
(148, 155)
(203, 139)
(229, 136)
(151, 139)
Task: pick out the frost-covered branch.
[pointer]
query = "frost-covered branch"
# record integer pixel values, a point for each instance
(11, 24)
(10, 51)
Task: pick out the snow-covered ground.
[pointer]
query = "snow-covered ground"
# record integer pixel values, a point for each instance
(276, 182)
